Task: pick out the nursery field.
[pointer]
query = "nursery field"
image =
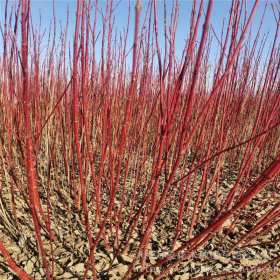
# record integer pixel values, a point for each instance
(121, 158)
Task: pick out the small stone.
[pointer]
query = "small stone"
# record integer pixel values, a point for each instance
(127, 258)
(120, 270)
(177, 245)
(219, 258)
(218, 266)
(29, 267)
(206, 268)
(264, 254)
(79, 268)
(65, 275)
(5, 276)
(33, 260)
(250, 262)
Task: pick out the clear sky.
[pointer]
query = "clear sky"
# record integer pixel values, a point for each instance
(43, 9)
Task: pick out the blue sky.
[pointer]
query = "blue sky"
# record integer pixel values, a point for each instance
(43, 9)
